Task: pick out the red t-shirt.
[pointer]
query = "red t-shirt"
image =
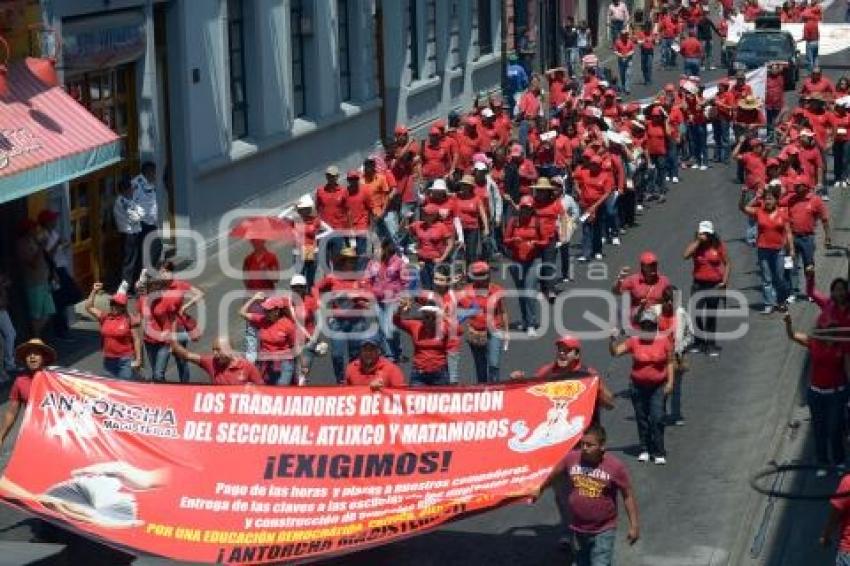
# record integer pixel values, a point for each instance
(557, 94)
(842, 505)
(821, 86)
(771, 229)
(649, 359)
(593, 491)
(755, 169)
(429, 349)
(238, 372)
(384, 369)
(709, 263)
(691, 48)
(523, 238)
(259, 262)
(116, 334)
(624, 46)
(811, 30)
(20, 391)
(548, 214)
(357, 205)
(812, 161)
(639, 289)
(330, 204)
(159, 311)
(656, 139)
(277, 338)
(432, 240)
(467, 210)
(435, 161)
(826, 364)
(490, 310)
(804, 212)
(774, 91)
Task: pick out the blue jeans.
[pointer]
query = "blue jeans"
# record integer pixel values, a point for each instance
(345, 348)
(828, 424)
(391, 343)
(420, 378)
(675, 412)
(672, 160)
(771, 114)
(648, 402)
(804, 246)
(720, 133)
(612, 216)
(661, 168)
(453, 359)
(251, 342)
(523, 274)
(668, 56)
(282, 375)
(840, 160)
(646, 56)
(594, 549)
(812, 54)
(843, 558)
(774, 290)
(624, 64)
(691, 66)
(158, 356)
(573, 60)
(387, 226)
(522, 132)
(119, 368)
(7, 330)
(487, 359)
(706, 49)
(616, 28)
(426, 274)
(591, 238)
(699, 147)
(471, 239)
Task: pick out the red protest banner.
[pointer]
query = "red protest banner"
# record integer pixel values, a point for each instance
(263, 474)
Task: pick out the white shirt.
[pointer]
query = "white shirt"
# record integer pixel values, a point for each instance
(60, 255)
(127, 214)
(144, 193)
(619, 12)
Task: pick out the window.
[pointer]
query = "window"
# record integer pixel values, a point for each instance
(236, 57)
(299, 99)
(344, 49)
(481, 21)
(454, 35)
(431, 38)
(413, 42)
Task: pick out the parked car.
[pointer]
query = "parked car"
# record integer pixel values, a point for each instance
(758, 47)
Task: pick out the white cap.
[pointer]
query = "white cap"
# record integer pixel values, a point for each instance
(305, 201)
(429, 308)
(488, 113)
(705, 227)
(843, 101)
(439, 185)
(478, 166)
(807, 134)
(297, 280)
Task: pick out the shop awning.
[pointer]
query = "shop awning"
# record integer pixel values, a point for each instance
(47, 138)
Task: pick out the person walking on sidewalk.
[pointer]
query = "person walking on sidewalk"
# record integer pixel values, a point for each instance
(805, 209)
(711, 270)
(826, 395)
(592, 479)
(705, 27)
(127, 215)
(624, 47)
(618, 18)
(653, 377)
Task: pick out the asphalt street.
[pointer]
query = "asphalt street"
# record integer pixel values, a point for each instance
(691, 509)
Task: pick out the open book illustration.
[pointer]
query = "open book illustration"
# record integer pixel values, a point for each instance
(100, 496)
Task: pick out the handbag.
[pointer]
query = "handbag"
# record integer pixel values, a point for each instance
(476, 337)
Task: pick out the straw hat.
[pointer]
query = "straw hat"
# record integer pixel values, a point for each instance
(750, 103)
(543, 183)
(467, 180)
(35, 345)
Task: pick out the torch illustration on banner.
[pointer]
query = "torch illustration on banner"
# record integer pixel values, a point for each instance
(558, 426)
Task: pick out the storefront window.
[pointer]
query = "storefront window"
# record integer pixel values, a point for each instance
(343, 40)
(236, 42)
(296, 15)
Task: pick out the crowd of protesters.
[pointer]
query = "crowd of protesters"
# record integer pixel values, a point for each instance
(408, 244)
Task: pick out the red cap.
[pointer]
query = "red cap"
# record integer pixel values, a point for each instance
(569, 342)
(47, 215)
(353, 174)
(435, 131)
(119, 299)
(772, 162)
(648, 258)
(610, 92)
(274, 303)
(516, 150)
(528, 171)
(803, 180)
(527, 200)
(401, 129)
(431, 208)
(479, 268)
(554, 123)
(472, 121)
(441, 124)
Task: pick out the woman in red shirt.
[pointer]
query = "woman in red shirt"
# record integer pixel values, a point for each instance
(122, 348)
(434, 243)
(435, 157)
(652, 379)
(276, 332)
(827, 393)
(773, 236)
(840, 146)
(34, 355)
(710, 278)
(524, 241)
(487, 330)
(308, 225)
(432, 339)
(473, 217)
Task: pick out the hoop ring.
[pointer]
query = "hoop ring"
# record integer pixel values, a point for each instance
(757, 484)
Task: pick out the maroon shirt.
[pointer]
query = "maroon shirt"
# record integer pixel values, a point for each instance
(593, 492)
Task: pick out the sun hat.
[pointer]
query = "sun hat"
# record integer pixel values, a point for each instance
(35, 345)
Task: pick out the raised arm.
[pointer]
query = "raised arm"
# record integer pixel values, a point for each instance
(244, 312)
(90, 308)
(798, 337)
(182, 353)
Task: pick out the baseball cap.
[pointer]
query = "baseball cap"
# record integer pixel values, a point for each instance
(434, 131)
(401, 129)
(479, 166)
(705, 227)
(648, 258)
(569, 342)
(306, 201)
(516, 150)
(479, 268)
(298, 280)
(648, 315)
(332, 170)
(353, 174)
(119, 299)
(439, 185)
(527, 200)
(47, 215)
(488, 113)
(273, 303)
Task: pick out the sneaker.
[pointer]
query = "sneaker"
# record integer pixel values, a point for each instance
(643, 457)
(824, 197)
(678, 422)
(615, 241)
(695, 166)
(302, 380)
(581, 259)
(565, 542)
(532, 332)
(666, 178)
(767, 310)
(675, 180)
(703, 167)
(712, 68)
(695, 349)
(821, 473)
(639, 208)
(791, 299)
(597, 256)
(604, 241)
(660, 460)
(713, 352)
(836, 185)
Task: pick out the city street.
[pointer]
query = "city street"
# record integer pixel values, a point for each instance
(698, 510)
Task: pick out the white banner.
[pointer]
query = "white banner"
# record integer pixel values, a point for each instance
(834, 38)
